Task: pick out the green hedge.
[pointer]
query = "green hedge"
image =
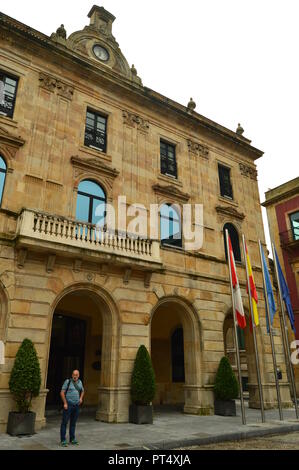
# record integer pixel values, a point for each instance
(143, 382)
(25, 378)
(226, 385)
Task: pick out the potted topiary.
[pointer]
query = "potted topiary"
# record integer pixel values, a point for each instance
(143, 389)
(24, 384)
(226, 389)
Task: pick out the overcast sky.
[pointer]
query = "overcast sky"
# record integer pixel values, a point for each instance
(238, 59)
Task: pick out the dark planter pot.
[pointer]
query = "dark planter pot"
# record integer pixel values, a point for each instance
(225, 407)
(141, 414)
(21, 424)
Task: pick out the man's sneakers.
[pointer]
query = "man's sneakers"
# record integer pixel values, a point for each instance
(74, 442)
(64, 444)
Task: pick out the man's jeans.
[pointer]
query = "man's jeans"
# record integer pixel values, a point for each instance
(71, 414)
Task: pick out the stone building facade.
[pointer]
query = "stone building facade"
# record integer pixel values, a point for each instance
(73, 114)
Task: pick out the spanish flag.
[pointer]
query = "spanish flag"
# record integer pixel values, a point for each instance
(253, 293)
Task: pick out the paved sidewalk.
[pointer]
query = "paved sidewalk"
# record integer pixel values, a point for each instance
(171, 429)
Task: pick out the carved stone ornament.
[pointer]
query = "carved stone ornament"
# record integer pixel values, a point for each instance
(53, 84)
(171, 192)
(230, 212)
(133, 120)
(198, 149)
(248, 171)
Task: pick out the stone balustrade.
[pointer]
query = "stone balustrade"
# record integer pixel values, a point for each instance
(40, 226)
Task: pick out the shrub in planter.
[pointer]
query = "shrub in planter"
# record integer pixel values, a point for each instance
(24, 384)
(226, 389)
(143, 388)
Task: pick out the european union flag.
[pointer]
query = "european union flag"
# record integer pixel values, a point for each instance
(269, 291)
(285, 292)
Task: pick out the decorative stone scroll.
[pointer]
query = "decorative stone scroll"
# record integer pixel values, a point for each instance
(133, 120)
(198, 149)
(248, 171)
(51, 84)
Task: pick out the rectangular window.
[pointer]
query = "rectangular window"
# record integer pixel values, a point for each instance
(168, 159)
(294, 218)
(8, 91)
(226, 189)
(96, 131)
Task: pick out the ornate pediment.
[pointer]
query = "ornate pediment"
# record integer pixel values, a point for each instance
(230, 212)
(94, 165)
(9, 145)
(171, 192)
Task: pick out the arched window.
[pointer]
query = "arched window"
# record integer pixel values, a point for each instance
(177, 355)
(3, 170)
(234, 237)
(171, 230)
(91, 203)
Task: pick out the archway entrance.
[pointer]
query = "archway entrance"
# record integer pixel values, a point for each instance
(76, 343)
(175, 353)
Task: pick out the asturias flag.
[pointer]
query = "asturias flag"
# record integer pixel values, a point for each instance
(253, 293)
(285, 293)
(240, 315)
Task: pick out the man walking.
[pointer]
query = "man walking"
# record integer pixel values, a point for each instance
(72, 394)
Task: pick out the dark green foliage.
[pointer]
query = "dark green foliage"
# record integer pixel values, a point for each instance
(226, 385)
(25, 378)
(143, 382)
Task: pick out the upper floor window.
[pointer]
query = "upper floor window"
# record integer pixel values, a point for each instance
(171, 230)
(91, 203)
(294, 219)
(168, 159)
(226, 189)
(234, 238)
(96, 131)
(3, 170)
(8, 91)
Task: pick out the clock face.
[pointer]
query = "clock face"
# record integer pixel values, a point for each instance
(101, 53)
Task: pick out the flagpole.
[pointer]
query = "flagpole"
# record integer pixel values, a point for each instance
(257, 362)
(235, 330)
(271, 336)
(283, 327)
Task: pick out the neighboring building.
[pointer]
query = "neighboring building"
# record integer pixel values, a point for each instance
(78, 129)
(282, 204)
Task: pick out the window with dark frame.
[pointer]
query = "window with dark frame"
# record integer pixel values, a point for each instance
(168, 159)
(234, 238)
(96, 131)
(8, 92)
(226, 189)
(294, 219)
(91, 203)
(170, 226)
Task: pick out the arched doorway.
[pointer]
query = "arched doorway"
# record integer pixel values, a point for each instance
(76, 343)
(175, 353)
(84, 335)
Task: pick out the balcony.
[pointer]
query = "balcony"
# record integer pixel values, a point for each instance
(40, 231)
(290, 238)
